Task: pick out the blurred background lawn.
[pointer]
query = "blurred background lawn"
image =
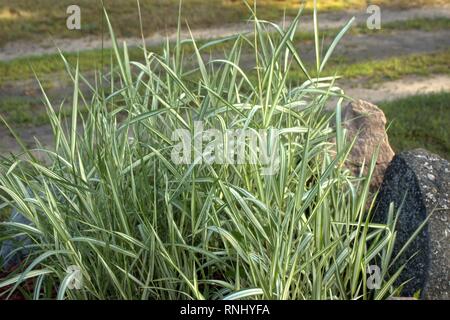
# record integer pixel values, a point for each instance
(413, 49)
(35, 19)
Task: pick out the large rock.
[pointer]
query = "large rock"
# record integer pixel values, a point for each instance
(368, 123)
(422, 180)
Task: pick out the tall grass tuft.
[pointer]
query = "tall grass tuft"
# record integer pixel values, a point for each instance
(110, 201)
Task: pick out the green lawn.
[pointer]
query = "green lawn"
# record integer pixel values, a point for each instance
(376, 71)
(394, 68)
(420, 121)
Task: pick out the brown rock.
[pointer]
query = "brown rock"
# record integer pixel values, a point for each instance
(368, 122)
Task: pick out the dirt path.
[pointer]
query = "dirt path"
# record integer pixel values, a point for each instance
(382, 46)
(386, 91)
(401, 88)
(373, 46)
(18, 49)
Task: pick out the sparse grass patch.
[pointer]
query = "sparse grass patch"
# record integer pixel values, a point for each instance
(376, 71)
(420, 121)
(21, 110)
(396, 67)
(422, 24)
(23, 68)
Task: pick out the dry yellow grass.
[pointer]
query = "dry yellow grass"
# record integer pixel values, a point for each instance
(340, 4)
(12, 14)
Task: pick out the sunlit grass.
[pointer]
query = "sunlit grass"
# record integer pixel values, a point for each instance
(420, 121)
(8, 14)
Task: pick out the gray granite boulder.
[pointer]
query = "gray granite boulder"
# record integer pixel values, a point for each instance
(422, 180)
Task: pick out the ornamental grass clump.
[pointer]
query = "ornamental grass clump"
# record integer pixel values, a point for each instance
(134, 203)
